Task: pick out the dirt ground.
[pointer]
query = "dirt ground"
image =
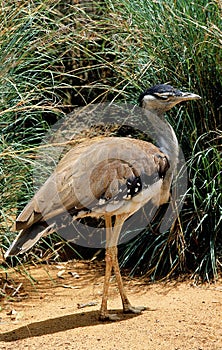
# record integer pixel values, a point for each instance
(49, 315)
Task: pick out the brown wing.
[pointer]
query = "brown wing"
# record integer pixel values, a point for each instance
(47, 202)
(93, 173)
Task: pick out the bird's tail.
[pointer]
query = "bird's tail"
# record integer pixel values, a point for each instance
(28, 237)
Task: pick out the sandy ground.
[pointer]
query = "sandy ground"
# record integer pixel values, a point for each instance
(45, 315)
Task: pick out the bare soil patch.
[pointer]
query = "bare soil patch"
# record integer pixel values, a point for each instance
(47, 315)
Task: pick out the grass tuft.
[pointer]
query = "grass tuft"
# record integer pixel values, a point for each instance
(57, 56)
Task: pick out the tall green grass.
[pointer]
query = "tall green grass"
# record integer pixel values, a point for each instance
(57, 56)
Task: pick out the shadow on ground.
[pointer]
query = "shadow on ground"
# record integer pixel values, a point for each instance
(59, 324)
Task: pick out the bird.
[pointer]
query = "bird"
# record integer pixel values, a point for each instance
(109, 178)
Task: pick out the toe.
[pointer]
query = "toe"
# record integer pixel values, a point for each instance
(134, 310)
(109, 317)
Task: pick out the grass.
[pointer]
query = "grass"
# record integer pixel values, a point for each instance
(59, 56)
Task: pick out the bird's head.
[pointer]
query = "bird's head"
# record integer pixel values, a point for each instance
(160, 98)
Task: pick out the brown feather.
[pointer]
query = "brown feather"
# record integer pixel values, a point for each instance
(89, 171)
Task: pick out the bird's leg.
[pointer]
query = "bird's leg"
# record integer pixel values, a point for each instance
(127, 307)
(112, 236)
(104, 315)
(125, 300)
(114, 251)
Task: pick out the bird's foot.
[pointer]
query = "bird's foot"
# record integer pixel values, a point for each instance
(109, 317)
(129, 309)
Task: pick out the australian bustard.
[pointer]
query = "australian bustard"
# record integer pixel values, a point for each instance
(120, 187)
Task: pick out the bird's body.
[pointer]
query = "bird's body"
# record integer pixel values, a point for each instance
(77, 183)
(106, 177)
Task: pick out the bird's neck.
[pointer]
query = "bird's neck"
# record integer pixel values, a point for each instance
(165, 137)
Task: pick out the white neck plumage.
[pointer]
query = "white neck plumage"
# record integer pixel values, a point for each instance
(164, 138)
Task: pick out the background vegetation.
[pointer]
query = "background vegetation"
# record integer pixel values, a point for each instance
(58, 55)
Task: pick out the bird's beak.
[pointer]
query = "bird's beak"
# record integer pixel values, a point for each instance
(182, 96)
(186, 96)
